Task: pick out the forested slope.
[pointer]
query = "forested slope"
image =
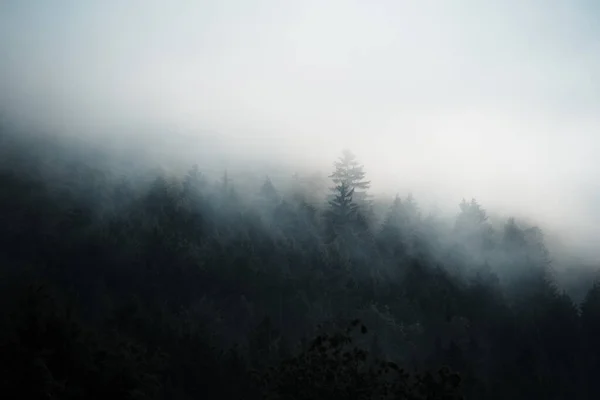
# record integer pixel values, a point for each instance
(125, 283)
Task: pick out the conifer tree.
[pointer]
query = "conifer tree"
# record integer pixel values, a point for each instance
(227, 191)
(472, 226)
(411, 209)
(350, 172)
(471, 215)
(193, 182)
(342, 212)
(391, 235)
(268, 191)
(343, 209)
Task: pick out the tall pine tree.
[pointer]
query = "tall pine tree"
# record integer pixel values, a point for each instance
(342, 212)
(351, 173)
(268, 193)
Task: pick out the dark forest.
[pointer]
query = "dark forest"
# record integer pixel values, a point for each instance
(124, 282)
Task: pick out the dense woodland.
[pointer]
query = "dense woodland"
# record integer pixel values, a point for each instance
(121, 282)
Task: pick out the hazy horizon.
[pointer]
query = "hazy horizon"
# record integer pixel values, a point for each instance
(497, 101)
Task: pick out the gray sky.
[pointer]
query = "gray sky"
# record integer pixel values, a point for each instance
(494, 99)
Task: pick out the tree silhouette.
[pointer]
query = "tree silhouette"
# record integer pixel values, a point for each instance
(268, 192)
(332, 368)
(351, 173)
(119, 281)
(394, 230)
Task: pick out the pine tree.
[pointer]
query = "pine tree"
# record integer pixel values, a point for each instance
(342, 212)
(226, 191)
(350, 172)
(268, 191)
(411, 209)
(193, 183)
(471, 214)
(396, 215)
(343, 208)
(473, 228)
(392, 233)
(514, 238)
(526, 243)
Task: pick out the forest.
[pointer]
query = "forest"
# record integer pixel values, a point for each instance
(127, 282)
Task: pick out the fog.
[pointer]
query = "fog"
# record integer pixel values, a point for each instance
(199, 197)
(446, 99)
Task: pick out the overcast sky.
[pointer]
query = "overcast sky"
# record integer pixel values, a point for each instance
(499, 100)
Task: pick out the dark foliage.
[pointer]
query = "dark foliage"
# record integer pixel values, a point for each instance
(113, 285)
